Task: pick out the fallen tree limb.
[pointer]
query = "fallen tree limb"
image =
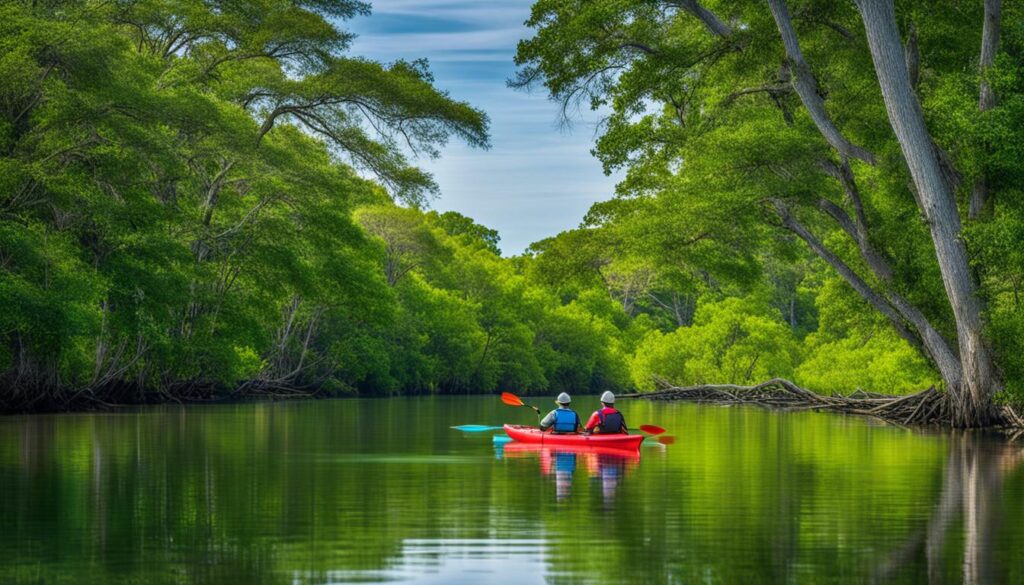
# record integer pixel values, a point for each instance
(928, 407)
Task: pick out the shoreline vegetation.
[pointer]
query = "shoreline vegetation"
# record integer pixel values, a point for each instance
(928, 408)
(925, 408)
(195, 195)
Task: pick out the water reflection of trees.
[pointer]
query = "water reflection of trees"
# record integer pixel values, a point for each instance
(972, 491)
(263, 494)
(234, 494)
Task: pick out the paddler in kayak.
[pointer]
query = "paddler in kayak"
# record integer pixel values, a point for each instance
(607, 420)
(562, 419)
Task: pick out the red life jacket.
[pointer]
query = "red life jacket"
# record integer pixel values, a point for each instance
(611, 422)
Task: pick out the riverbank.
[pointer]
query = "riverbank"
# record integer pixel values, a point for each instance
(85, 400)
(250, 391)
(926, 408)
(929, 407)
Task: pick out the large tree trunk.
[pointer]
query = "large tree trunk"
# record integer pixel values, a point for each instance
(973, 396)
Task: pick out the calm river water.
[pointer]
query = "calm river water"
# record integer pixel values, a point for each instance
(340, 491)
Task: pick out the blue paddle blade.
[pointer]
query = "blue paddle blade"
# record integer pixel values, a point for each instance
(475, 428)
(501, 439)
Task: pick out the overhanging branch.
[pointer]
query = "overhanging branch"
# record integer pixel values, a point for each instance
(807, 87)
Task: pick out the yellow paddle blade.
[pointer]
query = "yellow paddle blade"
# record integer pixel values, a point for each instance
(511, 399)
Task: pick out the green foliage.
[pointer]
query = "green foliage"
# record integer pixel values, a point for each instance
(882, 363)
(469, 321)
(732, 341)
(456, 224)
(719, 153)
(854, 348)
(182, 213)
(1001, 265)
(177, 210)
(1008, 338)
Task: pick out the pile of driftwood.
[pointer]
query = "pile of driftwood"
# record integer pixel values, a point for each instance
(930, 407)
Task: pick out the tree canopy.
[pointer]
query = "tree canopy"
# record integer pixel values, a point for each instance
(876, 136)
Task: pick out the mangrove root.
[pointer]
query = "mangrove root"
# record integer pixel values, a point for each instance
(929, 407)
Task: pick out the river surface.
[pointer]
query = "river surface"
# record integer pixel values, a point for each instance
(340, 491)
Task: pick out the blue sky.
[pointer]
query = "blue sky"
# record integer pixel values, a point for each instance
(537, 179)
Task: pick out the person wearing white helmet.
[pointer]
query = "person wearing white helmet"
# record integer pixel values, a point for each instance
(562, 419)
(607, 420)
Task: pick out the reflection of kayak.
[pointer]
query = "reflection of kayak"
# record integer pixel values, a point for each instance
(521, 449)
(534, 435)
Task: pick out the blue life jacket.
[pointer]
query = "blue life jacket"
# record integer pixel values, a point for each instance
(565, 421)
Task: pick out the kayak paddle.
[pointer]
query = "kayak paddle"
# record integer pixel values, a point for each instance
(513, 400)
(654, 430)
(476, 428)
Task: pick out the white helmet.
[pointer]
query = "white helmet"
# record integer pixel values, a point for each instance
(563, 398)
(608, 397)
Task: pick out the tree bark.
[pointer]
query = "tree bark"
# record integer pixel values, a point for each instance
(858, 229)
(893, 306)
(710, 20)
(213, 191)
(807, 88)
(986, 95)
(973, 397)
(989, 47)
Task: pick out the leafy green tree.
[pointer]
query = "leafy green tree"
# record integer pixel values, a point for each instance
(409, 243)
(854, 348)
(818, 121)
(176, 195)
(734, 341)
(456, 224)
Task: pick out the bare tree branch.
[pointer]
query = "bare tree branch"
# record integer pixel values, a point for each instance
(710, 19)
(848, 274)
(893, 306)
(807, 88)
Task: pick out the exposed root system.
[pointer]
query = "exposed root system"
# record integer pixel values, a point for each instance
(929, 407)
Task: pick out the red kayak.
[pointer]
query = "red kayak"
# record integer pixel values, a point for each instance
(535, 435)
